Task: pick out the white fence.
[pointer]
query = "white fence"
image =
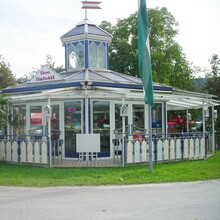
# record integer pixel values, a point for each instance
(24, 151)
(166, 149)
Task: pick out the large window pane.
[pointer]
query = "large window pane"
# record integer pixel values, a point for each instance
(101, 56)
(101, 123)
(72, 114)
(138, 119)
(36, 127)
(19, 120)
(157, 118)
(93, 55)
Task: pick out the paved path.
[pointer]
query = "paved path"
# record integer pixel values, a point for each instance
(171, 201)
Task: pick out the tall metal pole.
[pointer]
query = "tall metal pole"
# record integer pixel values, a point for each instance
(150, 140)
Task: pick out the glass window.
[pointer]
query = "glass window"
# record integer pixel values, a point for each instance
(101, 115)
(19, 120)
(55, 122)
(157, 118)
(93, 55)
(101, 56)
(36, 128)
(97, 55)
(75, 55)
(72, 114)
(138, 119)
(79, 56)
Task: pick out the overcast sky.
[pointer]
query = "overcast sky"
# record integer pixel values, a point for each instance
(31, 29)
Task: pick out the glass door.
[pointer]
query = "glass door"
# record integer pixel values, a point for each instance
(36, 123)
(72, 126)
(101, 125)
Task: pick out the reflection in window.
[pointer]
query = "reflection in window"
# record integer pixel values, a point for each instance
(157, 118)
(36, 128)
(72, 126)
(93, 55)
(101, 116)
(55, 122)
(101, 56)
(19, 120)
(97, 55)
(75, 55)
(138, 119)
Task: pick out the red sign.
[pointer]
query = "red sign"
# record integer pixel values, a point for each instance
(36, 118)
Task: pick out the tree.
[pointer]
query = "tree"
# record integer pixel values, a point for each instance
(51, 63)
(3, 113)
(213, 84)
(7, 78)
(169, 63)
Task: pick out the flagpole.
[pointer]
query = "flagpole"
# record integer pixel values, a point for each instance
(150, 140)
(85, 11)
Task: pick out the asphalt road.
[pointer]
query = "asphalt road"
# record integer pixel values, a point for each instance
(178, 201)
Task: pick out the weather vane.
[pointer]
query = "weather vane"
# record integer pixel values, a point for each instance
(90, 5)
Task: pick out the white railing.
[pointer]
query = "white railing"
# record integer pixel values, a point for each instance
(24, 151)
(166, 147)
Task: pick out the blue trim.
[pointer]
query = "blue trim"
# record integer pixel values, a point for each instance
(104, 154)
(72, 155)
(42, 87)
(86, 54)
(129, 86)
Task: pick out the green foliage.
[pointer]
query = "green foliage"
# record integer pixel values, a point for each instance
(18, 175)
(3, 111)
(169, 63)
(6, 76)
(213, 84)
(51, 63)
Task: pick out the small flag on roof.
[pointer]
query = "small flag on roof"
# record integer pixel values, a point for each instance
(90, 5)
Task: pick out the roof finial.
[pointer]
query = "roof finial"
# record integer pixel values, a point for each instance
(90, 5)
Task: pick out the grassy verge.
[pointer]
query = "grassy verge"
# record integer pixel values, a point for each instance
(19, 175)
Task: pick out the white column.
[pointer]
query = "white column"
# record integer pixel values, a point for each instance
(213, 130)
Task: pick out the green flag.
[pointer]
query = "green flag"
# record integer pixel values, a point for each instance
(144, 60)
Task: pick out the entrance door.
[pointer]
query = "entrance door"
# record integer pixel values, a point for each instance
(72, 126)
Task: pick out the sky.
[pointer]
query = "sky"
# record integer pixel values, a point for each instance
(31, 29)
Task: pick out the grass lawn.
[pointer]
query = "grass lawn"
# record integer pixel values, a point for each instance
(20, 175)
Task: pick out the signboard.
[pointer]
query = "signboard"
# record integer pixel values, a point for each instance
(46, 74)
(87, 143)
(36, 118)
(71, 108)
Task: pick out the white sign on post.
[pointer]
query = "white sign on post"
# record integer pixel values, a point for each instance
(87, 143)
